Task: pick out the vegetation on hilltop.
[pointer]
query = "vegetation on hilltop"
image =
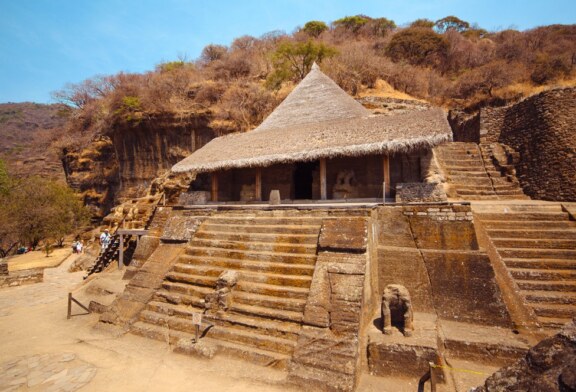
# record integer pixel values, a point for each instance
(448, 62)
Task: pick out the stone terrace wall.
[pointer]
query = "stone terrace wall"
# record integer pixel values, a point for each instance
(542, 129)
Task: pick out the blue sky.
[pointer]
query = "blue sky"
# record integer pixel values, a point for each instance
(46, 43)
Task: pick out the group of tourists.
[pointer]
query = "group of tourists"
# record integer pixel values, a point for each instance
(78, 246)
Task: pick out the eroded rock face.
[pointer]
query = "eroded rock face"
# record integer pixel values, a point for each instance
(548, 366)
(125, 162)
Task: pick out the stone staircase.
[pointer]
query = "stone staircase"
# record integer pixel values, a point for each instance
(472, 174)
(499, 165)
(106, 256)
(537, 243)
(274, 254)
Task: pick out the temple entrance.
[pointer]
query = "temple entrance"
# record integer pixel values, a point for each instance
(303, 180)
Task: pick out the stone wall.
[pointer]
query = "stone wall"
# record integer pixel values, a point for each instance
(541, 129)
(465, 127)
(417, 192)
(19, 278)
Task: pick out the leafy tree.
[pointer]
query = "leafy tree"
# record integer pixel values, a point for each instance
(425, 23)
(40, 209)
(381, 26)
(417, 46)
(212, 53)
(351, 23)
(314, 28)
(293, 60)
(451, 23)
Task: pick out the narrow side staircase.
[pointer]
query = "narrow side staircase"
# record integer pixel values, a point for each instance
(537, 243)
(472, 174)
(274, 255)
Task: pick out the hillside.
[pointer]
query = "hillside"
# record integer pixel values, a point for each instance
(27, 131)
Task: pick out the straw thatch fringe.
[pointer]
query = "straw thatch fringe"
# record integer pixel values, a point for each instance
(389, 147)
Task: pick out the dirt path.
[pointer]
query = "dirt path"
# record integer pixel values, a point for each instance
(43, 351)
(38, 259)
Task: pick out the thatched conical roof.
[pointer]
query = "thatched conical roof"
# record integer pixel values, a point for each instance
(316, 99)
(319, 120)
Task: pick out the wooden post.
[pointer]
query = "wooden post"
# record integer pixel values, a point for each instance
(69, 306)
(323, 193)
(258, 184)
(214, 194)
(121, 250)
(386, 170)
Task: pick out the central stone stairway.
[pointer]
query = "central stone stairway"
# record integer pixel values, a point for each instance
(273, 254)
(537, 244)
(472, 174)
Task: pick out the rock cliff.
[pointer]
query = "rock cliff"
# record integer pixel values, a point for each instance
(123, 162)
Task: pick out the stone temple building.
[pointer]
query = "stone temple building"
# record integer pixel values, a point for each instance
(319, 144)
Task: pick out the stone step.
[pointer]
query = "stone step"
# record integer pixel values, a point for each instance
(460, 179)
(553, 322)
(253, 246)
(464, 163)
(555, 310)
(553, 297)
(261, 311)
(464, 192)
(257, 228)
(258, 237)
(548, 207)
(523, 216)
(543, 274)
(246, 276)
(463, 170)
(547, 285)
(281, 329)
(255, 355)
(186, 289)
(157, 332)
(177, 297)
(525, 225)
(265, 220)
(221, 333)
(274, 290)
(534, 253)
(467, 175)
(266, 301)
(197, 280)
(540, 243)
(264, 256)
(533, 233)
(474, 187)
(565, 264)
(189, 264)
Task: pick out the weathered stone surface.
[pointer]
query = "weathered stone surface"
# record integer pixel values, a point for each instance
(200, 349)
(343, 234)
(180, 228)
(316, 311)
(400, 359)
(548, 366)
(418, 192)
(541, 130)
(19, 278)
(464, 288)
(146, 246)
(3, 268)
(274, 197)
(393, 228)
(193, 197)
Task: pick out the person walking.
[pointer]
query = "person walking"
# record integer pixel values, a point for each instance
(105, 239)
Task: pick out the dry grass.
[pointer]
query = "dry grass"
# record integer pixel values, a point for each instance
(385, 90)
(527, 89)
(38, 259)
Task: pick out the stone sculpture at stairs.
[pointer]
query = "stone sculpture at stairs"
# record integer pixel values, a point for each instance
(397, 309)
(221, 298)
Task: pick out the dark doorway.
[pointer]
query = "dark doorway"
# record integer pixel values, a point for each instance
(303, 180)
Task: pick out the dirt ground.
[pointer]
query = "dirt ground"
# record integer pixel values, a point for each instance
(43, 351)
(38, 259)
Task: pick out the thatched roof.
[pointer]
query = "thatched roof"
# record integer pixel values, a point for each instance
(319, 120)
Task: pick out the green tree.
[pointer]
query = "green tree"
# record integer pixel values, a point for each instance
(43, 210)
(381, 26)
(293, 60)
(351, 23)
(425, 23)
(314, 28)
(451, 23)
(418, 46)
